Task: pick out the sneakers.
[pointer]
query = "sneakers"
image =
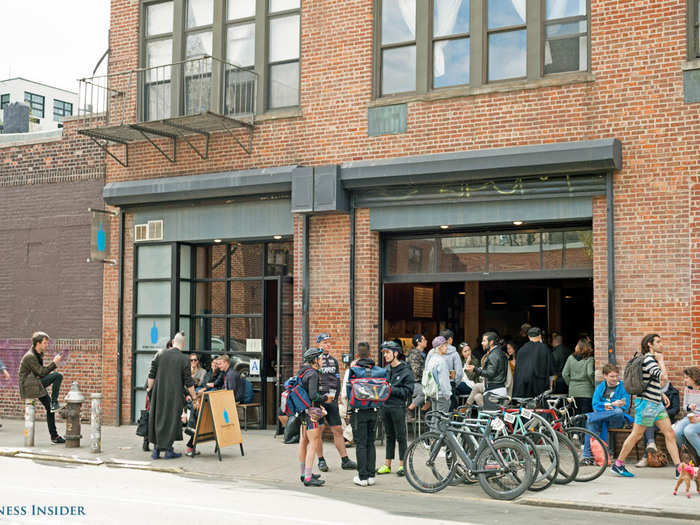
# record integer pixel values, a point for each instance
(57, 440)
(384, 470)
(313, 482)
(359, 482)
(55, 407)
(400, 472)
(622, 471)
(192, 452)
(322, 465)
(371, 481)
(651, 447)
(644, 462)
(313, 476)
(587, 462)
(347, 464)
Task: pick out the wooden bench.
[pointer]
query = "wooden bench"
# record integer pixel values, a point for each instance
(618, 436)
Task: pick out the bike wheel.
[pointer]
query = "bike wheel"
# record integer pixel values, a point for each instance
(462, 474)
(548, 458)
(532, 451)
(510, 466)
(539, 424)
(567, 470)
(429, 467)
(588, 469)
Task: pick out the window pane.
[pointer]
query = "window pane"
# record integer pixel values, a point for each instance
(154, 261)
(159, 53)
(157, 101)
(247, 260)
(450, 17)
(505, 13)
(142, 368)
(284, 38)
(185, 288)
(279, 259)
(462, 254)
(159, 18)
(240, 45)
(211, 298)
(239, 92)
(507, 55)
(246, 297)
(552, 250)
(410, 256)
(565, 8)
(284, 85)
(185, 261)
(153, 298)
(200, 13)
(514, 252)
(243, 330)
(566, 54)
(399, 70)
(451, 62)
(211, 261)
(198, 44)
(184, 326)
(283, 5)
(579, 249)
(398, 21)
(210, 335)
(570, 28)
(152, 334)
(240, 9)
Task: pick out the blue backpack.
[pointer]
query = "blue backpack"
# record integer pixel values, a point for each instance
(249, 393)
(295, 398)
(367, 387)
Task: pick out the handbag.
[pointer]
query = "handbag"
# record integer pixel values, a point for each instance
(142, 424)
(657, 459)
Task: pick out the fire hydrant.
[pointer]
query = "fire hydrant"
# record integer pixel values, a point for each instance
(74, 398)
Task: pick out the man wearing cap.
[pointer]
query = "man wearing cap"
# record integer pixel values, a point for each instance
(534, 369)
(436, 364)
(329, 384)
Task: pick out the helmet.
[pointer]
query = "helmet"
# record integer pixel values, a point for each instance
(391, 345)
(310, 355)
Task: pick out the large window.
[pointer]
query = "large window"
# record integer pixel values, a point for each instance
(36, 104)
(61, 109)
(434, 44)
(258, 35)
(4, 100)
(693, 29)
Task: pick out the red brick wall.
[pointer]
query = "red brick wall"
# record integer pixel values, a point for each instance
(636, 96)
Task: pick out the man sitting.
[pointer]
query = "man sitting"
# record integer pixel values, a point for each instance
(610, 405)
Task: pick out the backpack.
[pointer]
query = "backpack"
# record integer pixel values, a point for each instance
(249, 392)
(295, 399)
(633, 376)
(367, 387)
(430, 384)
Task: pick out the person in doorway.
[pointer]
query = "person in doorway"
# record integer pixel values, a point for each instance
(689, 426)
(34, 377)
(560, 353)
(329, 386)
(579, 375)
(522, 337)
(416, 360)
(436, 363)
(310, 428)
(495, 368)
(534, 369)
(400, 378)
(649, 409)
(169, 377)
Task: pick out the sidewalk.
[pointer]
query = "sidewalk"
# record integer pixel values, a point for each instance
(268, 460)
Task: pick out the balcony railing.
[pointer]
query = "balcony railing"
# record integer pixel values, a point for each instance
(195, 96)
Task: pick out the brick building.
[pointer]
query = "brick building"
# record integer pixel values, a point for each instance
(46, 188)
(376, 168)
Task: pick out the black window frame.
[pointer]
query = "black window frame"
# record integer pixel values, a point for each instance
(35, 105)
(4, 100)
(62, 109)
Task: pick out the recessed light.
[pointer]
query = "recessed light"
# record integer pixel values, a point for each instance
(539, 305)
(217, 240)
(462, 293)
(568, 297)
(277, 237)
(517, 223)
(499, 302)
(444, 227)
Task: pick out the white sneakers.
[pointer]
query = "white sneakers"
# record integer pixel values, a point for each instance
(360, 482)
(642, 463)
(371, 481)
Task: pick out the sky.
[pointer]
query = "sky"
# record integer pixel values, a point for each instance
(54, 42)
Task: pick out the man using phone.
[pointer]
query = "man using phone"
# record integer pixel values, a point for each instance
(34, 377)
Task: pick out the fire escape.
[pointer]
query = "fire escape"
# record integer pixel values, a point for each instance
(182, 100)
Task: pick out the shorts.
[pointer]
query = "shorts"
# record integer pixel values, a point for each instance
(647, 412)
(308, 423)
(332, 417)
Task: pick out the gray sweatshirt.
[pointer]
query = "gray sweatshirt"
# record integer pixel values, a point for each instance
(454, 362)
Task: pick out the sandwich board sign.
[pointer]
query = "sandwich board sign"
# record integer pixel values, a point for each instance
(218, 421)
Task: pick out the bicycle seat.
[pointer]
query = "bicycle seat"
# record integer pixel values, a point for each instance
(521, 400)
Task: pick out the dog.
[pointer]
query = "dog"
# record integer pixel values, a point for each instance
(688, 473)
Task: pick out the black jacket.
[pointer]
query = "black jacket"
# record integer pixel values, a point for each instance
(234, 381)
(674, 398)
(495, 370)
(310, 381)
(329, 374)
(401, 380)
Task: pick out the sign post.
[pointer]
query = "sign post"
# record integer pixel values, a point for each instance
(218, 421)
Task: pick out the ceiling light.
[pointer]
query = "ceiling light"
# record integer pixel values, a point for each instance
(517, 223)
(462, 293)
(444, 227)
(539, 305)
(568, 297)
(217, 240)
(499, 302)
(277, 237)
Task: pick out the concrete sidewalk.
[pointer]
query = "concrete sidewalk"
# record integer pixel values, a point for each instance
(268, 460)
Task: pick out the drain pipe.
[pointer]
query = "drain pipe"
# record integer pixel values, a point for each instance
(305, 287)
(120, 319)
(352, 282)
(610, 227)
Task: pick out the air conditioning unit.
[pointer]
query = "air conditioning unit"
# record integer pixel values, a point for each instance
(151, 231)
(141, 232)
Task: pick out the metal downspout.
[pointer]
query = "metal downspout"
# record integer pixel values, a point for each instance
(610, 230)
(120, 320)
(352, 282)
(305, 288)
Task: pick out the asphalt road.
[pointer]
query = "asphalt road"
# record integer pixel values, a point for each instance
(111, 495)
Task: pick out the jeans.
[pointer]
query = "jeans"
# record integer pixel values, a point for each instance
(364, 430)
(463, 389)
(394, 419)
(599, 422)
(690, 430)
(50, 418)
(418, 395)
(55, 379)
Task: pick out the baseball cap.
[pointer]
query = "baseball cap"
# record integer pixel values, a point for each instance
(439, 341)
(416, 339)
(534, 332)
(321, 338)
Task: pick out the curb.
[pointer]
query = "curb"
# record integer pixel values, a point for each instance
(610, 509)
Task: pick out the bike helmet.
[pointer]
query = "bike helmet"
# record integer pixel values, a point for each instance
(310, 355)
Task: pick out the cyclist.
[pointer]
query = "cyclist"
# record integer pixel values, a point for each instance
(311, 432)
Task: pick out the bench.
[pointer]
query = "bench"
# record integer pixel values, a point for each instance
(245, 407)
(618, 436)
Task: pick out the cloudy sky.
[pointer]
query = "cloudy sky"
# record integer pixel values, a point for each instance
(52, 41)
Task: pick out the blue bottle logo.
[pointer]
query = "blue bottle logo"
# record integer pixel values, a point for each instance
(101, 239)
(154, 333)
(226, 416)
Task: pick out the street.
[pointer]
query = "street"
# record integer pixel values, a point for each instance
(113, 495)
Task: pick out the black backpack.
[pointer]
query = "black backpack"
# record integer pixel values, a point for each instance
(633, 376)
